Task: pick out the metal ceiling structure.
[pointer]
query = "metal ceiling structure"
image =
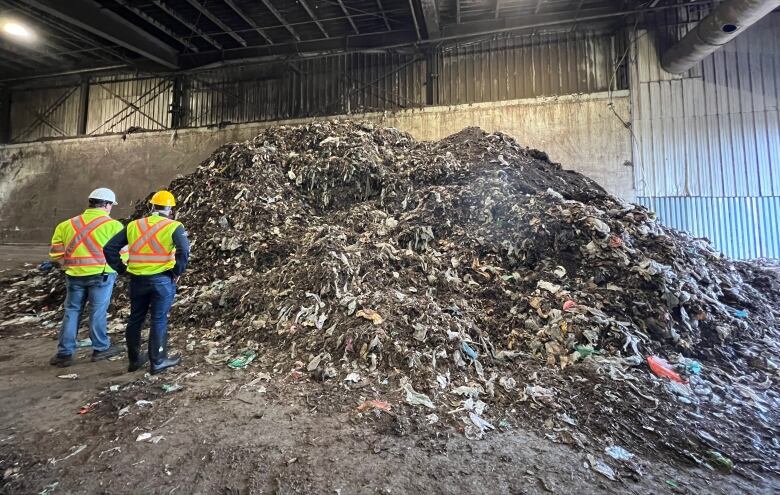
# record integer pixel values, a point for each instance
(166, 36)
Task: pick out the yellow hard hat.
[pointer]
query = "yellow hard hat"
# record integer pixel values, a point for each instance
(163, 198)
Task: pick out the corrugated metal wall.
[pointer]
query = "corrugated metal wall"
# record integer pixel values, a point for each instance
(333, 85)
(44, 113)
(707, 147)
(528, 66)
(742, 227)
(118, 105)
(499, 69)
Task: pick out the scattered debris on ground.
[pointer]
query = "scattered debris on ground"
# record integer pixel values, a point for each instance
(472, 283)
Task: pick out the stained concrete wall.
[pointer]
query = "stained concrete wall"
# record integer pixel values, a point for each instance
(43, 183)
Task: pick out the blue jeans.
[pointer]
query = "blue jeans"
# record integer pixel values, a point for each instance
(149, 294)
(97, 290)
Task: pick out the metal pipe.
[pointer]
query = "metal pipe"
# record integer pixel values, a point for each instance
(722, 25)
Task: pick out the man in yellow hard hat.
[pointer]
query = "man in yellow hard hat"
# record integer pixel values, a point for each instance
(158, 254)
(77, 244)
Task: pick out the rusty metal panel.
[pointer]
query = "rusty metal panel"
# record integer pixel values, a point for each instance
(44, 113)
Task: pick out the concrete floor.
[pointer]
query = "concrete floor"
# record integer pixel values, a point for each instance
(15, 258)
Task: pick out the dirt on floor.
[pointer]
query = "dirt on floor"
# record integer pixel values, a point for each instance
(255, 431)
(242, 431)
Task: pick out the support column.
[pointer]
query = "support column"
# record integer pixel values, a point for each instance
(179, 103)
(431, 77)
(83, 106)
(5, 115)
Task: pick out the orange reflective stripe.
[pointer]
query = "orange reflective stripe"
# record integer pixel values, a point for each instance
(85, 262)
(149, 238)
(84, 236)
(147, 233)
(151, 259)
(158, 254)
(57, 248)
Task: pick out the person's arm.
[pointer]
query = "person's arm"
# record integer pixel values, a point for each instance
(182, 244)
(112, 250)
(57, 249)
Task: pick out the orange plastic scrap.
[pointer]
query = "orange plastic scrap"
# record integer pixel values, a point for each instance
(374, 404)
(661, 368)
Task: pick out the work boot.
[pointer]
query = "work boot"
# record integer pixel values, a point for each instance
(137, 364)
(164, 363)
(101, 355)
(62, 361)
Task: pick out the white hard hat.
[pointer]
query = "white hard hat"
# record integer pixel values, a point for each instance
(104, 194)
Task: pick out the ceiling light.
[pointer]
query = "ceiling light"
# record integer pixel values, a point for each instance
(17, 30)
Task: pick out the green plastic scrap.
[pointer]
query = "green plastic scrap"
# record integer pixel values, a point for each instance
(242, 361)
(168, 388)
(49, 488)
(672, 483)
(585, 350)
(721, 460)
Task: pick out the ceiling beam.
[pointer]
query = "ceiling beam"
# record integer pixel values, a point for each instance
(364, 41)
(157, 24)
(9, 55)
(457, 11)
(498, 9)
(192, 27)
(349, 17)
(384, 14)
(92, 17)
(313, 17)
(505, 24)
(538, 7)
(249, 21)
(414, 19)
(224, 27)
(280, 18)
(430, 13)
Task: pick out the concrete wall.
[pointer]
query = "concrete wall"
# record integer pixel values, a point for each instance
(43, 183)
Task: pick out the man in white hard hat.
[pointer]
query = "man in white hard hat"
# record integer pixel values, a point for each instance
(77, 244)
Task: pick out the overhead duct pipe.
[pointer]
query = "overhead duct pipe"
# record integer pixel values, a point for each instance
(722, 25)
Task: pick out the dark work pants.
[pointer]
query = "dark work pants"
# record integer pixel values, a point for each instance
(149, 294)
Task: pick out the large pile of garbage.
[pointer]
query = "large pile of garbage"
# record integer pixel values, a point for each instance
(483, 284)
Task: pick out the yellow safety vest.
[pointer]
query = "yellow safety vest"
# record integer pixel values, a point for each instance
(79, 241)
(151, 245)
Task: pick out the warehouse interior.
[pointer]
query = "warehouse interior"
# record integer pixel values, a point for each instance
(671, 105)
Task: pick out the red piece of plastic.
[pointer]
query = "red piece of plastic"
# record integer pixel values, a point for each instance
(569, 304)
(661, 368)
(374, 404)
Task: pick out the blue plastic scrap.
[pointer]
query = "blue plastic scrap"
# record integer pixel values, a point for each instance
(467, 350)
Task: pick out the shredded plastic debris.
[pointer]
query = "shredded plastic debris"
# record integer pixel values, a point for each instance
(345, 251)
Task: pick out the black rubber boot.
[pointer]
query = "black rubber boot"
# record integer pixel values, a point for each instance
(138, 363)
(62, 361)
(158, 354)
(163, 364)
(135, 359)
(101, 355)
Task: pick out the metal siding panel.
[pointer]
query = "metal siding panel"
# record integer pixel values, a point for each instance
(741, 227)
(773, 145)
(59, 106)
